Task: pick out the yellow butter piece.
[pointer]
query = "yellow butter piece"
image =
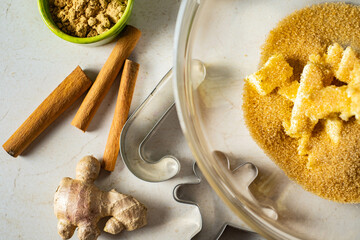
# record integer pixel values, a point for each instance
(311, 163)
(313, 78)
(353, 92)
(322, 103)
(304, 143)
(290, 91)
(347, 64)
(330, 60)
(286, 124)
(333, 128)
(355, 73)
(275, 73)
(318, 59)
(334, 56)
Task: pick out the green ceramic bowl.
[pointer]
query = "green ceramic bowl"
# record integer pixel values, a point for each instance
(100, 39)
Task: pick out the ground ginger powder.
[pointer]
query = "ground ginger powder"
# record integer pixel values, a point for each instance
(335, 173)
(86, 18)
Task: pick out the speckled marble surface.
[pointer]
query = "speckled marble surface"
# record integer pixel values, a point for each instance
(33, 62)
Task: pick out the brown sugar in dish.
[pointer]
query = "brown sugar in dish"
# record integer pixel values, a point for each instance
(335, 174)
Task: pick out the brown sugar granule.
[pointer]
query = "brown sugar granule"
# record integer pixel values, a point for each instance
(335, 171)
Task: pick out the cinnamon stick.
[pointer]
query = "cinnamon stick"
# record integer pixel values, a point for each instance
(122, 108)
(106, 77)
(56, 103)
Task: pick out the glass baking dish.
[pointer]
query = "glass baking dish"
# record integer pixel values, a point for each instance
(226, 36)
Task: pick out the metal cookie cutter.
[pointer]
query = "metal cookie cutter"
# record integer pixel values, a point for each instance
(216, 217)
(143, 124)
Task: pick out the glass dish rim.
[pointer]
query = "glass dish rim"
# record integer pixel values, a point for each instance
(185, 109)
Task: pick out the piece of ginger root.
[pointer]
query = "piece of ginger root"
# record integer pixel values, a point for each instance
(79, 203)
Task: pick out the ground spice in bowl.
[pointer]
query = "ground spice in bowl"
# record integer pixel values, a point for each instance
(86, 18)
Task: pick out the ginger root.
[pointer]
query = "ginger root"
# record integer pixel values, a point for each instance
(79, 203)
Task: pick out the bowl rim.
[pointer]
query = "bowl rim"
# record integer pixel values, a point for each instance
(43, 8)
(193, 134)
